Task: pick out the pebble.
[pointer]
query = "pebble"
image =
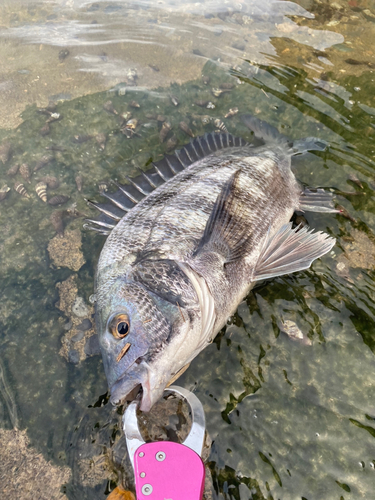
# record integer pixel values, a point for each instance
(73, 356)
(85, 325)
(92, 346)
(79, 308)
(78, 336)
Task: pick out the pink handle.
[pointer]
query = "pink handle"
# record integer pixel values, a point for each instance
(168, 471)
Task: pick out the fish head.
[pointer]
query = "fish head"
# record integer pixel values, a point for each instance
(144, 340)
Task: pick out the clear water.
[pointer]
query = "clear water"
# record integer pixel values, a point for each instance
(290, 411)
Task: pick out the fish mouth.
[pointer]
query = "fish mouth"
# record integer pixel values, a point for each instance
(142, 380)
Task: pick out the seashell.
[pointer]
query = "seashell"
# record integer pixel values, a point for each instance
(13, 170)
(171, 143)
(206, 79)
(165, 128)
(25, 171)
(131, 77)
(174, 100)
(220, 125)
(227, 86)
(210, 105)
(132, 123)
(101, 139)
(185, 128)
(342, 210)
(4, 192)
(41, 191)
(5, 151)
(161, 118)
(218, 92)
(79, 182)
(45, 130)
(108, 106)
(134, 104)
(231, 112)
(52, 182)
(57, 222)
(59, 199)
(354, 178)
(20, 188)
(202, 104)
(126, 115)
(103, 186)
(43, 162)
(54, 117)
(80, 139)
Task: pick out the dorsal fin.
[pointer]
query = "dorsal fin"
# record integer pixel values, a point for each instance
(128, 195)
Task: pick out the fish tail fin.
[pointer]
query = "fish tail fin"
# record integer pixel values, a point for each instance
(270, 134)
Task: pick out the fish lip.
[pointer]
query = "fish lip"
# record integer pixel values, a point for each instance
(152, 387)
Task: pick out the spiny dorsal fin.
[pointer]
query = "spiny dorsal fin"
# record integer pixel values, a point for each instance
(270, 134)
(160, 172)
(224, 233)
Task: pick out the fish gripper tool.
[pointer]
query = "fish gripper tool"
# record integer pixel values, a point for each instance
(165, 470)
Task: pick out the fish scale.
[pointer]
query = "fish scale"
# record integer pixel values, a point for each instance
(178, 263)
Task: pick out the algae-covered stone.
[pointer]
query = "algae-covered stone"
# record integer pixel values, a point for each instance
(66, 251)
(77, 343)
(25, 474)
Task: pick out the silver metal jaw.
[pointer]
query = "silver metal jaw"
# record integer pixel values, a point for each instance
(194, 440)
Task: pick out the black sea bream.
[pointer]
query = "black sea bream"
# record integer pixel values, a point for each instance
(187, 241)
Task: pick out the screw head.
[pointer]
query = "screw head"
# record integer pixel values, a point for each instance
(160, 456)
(142, 474)
(147, 489)
(141, 454)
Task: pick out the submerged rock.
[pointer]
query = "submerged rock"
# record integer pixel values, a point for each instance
(65, 251)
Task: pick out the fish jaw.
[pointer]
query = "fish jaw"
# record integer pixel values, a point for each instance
(153, 385)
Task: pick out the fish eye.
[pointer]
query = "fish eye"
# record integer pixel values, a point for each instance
(119, 326)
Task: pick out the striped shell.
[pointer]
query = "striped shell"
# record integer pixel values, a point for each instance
(20, 188)
(41, 191)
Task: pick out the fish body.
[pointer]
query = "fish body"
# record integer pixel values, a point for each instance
(177, 265)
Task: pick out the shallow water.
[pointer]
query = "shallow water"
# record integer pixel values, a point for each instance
(288, 394)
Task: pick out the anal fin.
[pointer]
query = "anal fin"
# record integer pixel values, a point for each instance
(291, 250)
(317, 201)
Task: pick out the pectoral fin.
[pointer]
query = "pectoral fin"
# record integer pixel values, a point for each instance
(225, 234)
(317, 201)
(291, 250)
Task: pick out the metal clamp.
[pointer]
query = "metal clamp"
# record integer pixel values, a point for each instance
(195, 438)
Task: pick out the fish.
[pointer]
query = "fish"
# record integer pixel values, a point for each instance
(186, 242)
